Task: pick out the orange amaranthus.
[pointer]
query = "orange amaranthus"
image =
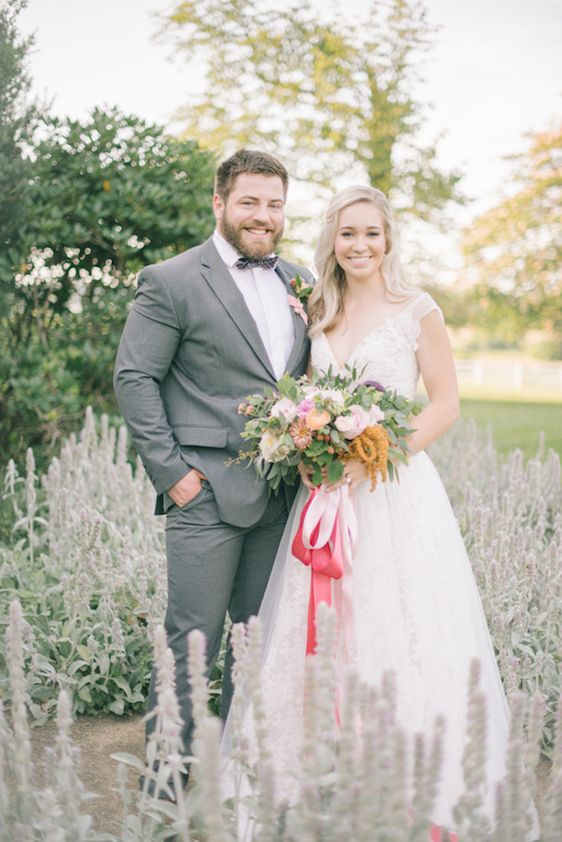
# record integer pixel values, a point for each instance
(371, 447)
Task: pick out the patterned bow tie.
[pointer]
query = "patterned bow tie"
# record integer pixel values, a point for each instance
(256, 262)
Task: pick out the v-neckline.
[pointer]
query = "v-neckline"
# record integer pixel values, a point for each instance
(366, 336)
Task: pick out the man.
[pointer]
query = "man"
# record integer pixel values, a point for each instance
(207, 328)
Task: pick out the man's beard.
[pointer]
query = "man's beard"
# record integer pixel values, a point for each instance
(233, 235)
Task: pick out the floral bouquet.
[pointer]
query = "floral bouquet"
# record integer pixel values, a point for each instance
(321, 424)
(324, 422)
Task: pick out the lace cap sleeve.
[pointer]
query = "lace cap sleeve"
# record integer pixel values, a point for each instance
(418, 310)
(423, 305)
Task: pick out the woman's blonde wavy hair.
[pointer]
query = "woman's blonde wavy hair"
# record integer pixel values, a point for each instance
(325, 306)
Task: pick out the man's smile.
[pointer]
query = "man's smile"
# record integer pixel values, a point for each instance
(258, 232)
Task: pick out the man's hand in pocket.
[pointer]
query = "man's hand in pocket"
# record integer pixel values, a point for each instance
(186, 488)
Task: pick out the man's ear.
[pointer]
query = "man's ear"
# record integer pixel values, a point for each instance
(218, 207)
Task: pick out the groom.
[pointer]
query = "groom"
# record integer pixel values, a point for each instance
(207, 328)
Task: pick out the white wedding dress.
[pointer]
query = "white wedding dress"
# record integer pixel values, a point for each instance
(416, 608)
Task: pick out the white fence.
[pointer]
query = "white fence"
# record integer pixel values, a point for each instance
(510, 374)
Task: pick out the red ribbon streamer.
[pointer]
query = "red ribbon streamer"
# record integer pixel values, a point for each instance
(326, 563)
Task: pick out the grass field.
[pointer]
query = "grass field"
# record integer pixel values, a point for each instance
(516, 418)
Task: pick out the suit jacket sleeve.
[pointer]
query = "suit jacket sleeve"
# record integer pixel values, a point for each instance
(146, 351)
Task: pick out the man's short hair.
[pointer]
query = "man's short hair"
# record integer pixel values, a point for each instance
(247, 161)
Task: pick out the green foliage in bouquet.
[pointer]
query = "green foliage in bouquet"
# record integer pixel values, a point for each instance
(314, 421)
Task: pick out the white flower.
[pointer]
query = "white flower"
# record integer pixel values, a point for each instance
(275, 448)
(334, 400)
(285, 409)
(375, 415)
(310, 390)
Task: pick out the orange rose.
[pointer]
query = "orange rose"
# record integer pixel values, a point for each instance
(315, 419)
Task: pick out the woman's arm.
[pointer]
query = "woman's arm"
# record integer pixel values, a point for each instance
(437, 369)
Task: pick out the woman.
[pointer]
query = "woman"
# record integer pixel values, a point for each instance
(416, 609)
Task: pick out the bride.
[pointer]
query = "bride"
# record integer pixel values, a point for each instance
(415, 605)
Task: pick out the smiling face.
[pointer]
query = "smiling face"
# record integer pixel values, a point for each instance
(252, 217)
(360, 244)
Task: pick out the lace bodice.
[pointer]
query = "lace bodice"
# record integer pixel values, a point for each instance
(388, 352)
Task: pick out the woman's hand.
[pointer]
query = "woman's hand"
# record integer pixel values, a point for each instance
(305, 476)
(354, 473)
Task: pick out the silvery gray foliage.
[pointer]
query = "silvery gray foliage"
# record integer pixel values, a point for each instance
(553, 797)
(87, 558)
(56, 812)
(510, 515)
(368, 759)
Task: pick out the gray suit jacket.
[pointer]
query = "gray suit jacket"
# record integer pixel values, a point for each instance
(189, 354)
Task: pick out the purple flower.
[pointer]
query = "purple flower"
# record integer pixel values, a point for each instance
(375, 385)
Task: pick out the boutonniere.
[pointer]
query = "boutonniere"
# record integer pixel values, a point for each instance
(298, 300)
(298, 307)
(302, 289)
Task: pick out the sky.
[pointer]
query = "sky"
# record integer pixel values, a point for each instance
(493, 75)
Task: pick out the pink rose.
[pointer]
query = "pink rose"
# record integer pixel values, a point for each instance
(285, 409)
(354, 424)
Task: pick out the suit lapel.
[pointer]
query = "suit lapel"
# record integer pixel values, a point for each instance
(299, 326)
(220, 280)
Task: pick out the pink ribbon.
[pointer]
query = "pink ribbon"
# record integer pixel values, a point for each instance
(324, 542)
(437, 835)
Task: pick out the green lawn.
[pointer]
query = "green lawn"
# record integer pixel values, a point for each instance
(516, 422)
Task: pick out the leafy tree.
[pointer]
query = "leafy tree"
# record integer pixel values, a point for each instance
(106, 197)
(333, 94)
(18, 118)
(514, 251)
(109, 196)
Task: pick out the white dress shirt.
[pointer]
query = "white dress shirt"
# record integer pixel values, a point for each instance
(265, 295)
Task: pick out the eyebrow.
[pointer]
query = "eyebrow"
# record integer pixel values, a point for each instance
(256, 199)
(352, 228)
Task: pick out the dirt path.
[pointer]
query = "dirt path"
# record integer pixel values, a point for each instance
(98, 737)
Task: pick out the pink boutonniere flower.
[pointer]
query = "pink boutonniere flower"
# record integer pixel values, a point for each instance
(298, 308)
(302, 290)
